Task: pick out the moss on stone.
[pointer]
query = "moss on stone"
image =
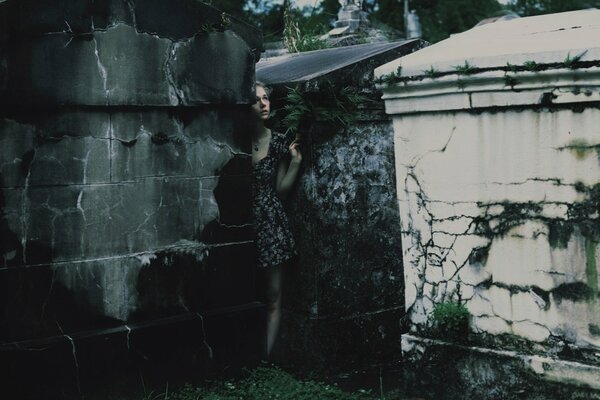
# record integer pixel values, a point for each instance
(479, 255)
(559, 233)
(591, 268)
(576, 291)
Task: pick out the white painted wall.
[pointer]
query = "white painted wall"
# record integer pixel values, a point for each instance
(472, 151)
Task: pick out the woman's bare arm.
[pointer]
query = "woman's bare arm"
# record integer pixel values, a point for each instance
(288, 172)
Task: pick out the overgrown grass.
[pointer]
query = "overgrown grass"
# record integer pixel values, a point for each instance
(265, 383)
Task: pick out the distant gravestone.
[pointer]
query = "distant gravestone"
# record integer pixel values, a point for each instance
(350, 17)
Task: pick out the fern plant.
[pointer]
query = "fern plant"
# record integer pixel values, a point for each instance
(337, 106)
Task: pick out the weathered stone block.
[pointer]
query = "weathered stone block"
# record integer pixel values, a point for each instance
(61, 70)
(228, 83)
(118, 63)
(16, 152)
(70, 161)
(133, 68)
(136, 358)
(36, 17)
(130, 218)
(191, 17)
(151, 144)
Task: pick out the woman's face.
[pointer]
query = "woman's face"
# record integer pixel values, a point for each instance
(262, 107)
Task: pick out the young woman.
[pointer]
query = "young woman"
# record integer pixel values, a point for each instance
(276, 161)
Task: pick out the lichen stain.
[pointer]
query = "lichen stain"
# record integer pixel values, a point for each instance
(581, 148)
(591, 268)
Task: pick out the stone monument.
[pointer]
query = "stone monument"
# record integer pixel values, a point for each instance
(350, 17)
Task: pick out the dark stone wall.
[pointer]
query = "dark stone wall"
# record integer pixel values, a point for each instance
(344, 300)
(125, 187)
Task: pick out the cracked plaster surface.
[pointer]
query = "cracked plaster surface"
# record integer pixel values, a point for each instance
(99, 186)
(120, 66)
(477, 194)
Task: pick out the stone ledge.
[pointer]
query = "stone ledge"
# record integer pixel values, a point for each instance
(491, 89)
(510, 373)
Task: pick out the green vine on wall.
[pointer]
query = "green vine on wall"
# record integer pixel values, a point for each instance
(571, 62)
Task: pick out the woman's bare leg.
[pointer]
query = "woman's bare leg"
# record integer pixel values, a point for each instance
(273, 282)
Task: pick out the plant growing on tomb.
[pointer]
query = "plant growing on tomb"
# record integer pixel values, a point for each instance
(465, 68)
(510, 81)
(571, 62)
(449, 320)
(511, 67)
(431, 72)
(310, 43)
(391, 78)
(331, 104)
(531, 66)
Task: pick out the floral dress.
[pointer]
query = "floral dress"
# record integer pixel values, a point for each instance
(274, 241)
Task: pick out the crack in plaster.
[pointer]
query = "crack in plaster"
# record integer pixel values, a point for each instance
(176, 95)
(555, 181)
(418, 158)
(128, 337)
(101, 69)
(70, 339)
(49, 293)
(204, 342)
(228, 147)
(25, 206)
(131, 5)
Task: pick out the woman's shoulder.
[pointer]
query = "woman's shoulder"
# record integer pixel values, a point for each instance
(280, 142)
(282, 137)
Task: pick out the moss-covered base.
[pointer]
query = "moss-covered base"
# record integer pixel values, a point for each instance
(442, 370)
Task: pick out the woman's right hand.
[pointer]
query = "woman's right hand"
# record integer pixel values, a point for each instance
(295, 151)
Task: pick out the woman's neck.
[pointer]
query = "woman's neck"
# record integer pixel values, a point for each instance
(261, 133)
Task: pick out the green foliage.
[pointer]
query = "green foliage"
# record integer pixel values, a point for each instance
(391, 78)
(264, 383)
(465, 69)
(309, 43)
(531, 66)
(511, 67)
(527, 8)
(449, 320)
(299, 40)
(431, 73)
(571, 62)
(510, 80)
(338, 106)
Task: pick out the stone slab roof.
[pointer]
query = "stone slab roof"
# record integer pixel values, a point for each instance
(302, 67)
(543, 39)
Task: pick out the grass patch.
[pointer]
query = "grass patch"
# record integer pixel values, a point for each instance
(268, 382)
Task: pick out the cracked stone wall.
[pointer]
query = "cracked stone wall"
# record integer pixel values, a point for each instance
(124, 168)
(500, 210)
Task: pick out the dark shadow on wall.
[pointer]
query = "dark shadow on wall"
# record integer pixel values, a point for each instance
(33, 303)
(343, 302)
